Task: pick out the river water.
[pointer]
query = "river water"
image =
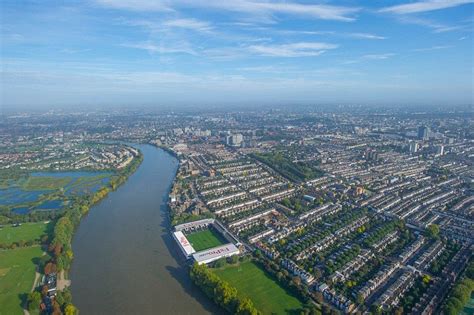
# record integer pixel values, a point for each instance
(125, 260)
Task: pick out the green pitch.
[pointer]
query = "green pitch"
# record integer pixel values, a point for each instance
(266, 294)
(17, 273)
(25, 232)
(205, 239)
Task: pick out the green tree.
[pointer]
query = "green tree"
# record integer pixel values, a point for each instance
(34, 300)
(432, 231)
(70, 310)
(246, 307)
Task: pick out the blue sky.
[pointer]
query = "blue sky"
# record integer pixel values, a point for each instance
(134, 52)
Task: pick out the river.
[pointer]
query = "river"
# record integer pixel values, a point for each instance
(125, 260)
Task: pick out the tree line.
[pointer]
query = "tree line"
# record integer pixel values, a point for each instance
(461, 292)
(60, 249)
(221, 292)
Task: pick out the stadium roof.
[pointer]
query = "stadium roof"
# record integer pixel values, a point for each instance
(184, 243)
(209, 255)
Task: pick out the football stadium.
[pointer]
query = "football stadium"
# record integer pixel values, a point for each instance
(205, 241)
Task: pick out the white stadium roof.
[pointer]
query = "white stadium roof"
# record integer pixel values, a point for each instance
(209, 255)
(184, 243)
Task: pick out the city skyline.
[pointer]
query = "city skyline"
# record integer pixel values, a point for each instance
(165, 53)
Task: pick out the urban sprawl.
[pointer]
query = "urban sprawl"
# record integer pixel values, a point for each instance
(357, 210)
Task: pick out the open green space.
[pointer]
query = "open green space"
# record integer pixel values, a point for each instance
(24, 232)
(266, 294)
(46, 183)
(295, 171)
(17, 274)
(205, 239)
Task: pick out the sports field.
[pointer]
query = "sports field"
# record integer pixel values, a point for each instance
(253, 282)
(17, 273)
(25, 232)
(205, 239)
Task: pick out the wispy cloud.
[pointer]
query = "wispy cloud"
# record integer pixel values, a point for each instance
(365, 36)
(435, 26)
(192, 24)
(333, 33)
(135, 5)
(424, 6)
(74, 51)
(167, 25)
(368, 57)
(262, 8)
(162, 49)
(302, 49)
(378, 56)
(433, 48)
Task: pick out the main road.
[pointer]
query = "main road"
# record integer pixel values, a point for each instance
(125, 261)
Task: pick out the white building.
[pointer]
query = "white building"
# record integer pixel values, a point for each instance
(414, 147)
(213, 254)
(235, 140)
(184, 244)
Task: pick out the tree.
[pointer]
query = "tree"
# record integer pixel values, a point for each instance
(50, 268)
(44, 290)
(70, 310)
(221, 262)
(246, 307)
(426, 279)
(34, 300)
(432, 231)
(56, 309)
(233, 259)
(319, 297)
(296, 280)
(317, 273)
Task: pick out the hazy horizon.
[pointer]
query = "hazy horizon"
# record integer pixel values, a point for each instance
(212, 53)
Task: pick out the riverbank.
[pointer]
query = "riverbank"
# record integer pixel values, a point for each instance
(60, 247)
(126, 261)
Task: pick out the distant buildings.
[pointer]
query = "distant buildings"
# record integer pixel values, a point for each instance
(440, 150)
(235, 140)
(423, 133)
(414, 146)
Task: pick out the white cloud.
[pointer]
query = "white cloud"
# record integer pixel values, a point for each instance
(303, 49)
(365, 36)
(437, 27)
(378, 56)
(367, 57)
(433, 48)
(135, 5)
(162, 49)
(424, 6)
(192, 24)
(261, 8)
(332, 33)
(325, 12)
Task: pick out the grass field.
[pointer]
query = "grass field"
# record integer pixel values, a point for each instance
(205, 239)
(253, 282)
(17, 273)
(25, 232)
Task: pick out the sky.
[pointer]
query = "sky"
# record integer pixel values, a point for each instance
(186, 52)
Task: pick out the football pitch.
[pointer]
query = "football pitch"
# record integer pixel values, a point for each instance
(205, 239)
(17, 273)
(266, 294)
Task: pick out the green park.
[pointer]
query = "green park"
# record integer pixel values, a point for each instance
(254, 283)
